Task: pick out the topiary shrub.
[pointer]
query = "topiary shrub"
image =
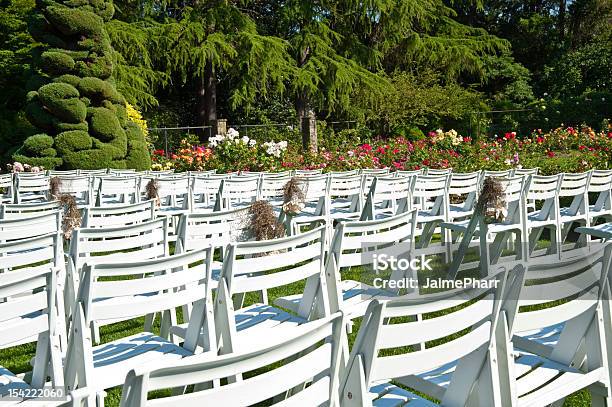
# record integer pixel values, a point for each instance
(37, 143)
(75, 102)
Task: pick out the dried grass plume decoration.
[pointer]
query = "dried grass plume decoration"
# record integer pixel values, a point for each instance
(71, 217)
(152, 189)
(263, 224)
(293, 196)
(491, 203)
(54, 186)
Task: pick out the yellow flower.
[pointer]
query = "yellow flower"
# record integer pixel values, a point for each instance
(135, 116)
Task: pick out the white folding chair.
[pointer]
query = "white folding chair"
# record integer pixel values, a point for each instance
(20, 211)
(388, 196)
(457, 370)
(78, 186)
(544, 191)
(347, 173)
(137, 289)
(493, 236)
(516, 172)
(431, 193)
(93, 173)
(173, 194)
(201, 173)
(118, 215)
(600, 185)
(7, 189)
(562, 347)
(31, 188)
(29, 312)
(117, 190)
(359, 244)
(497, 174)
(345, 197)
(316, 204)
(143, 241)
(236, 192)
(305, 370)
(463, 192)
(271, 189)
(574, 187)
(262, 265)
(122, 172)
(205, 191)
(402, 173)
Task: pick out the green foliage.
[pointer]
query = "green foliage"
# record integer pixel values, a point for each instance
(38, 143)
(56, 63)
(80, 109)
(71, 141)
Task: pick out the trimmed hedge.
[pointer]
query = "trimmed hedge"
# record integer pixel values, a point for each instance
(77, 105)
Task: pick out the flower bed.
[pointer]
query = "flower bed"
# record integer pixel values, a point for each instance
(565, 149)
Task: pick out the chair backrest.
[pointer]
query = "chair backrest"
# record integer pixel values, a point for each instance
(173, 193)
(388, 345)
(466, 186)
(497, 174)
(122, 173)
(525, 171)
(118, 215)
(31, 226)
(204, 190)
(438, 171)
(7, 190)
(31, 188)
(374, 171)
(545, 189)
(94, 172)
(305, 369)
(389, 195)
(79, 186)
(601, 184)
(261, 265)
(116, 189)
(61, 173)
(431, 193)
(576, 186)
(402, 173)
(34, 252)
(201, 173)
(280, 174)
(159, 173)
(138, 288)
(237, 192)
(147, 240)
(31, 312)
(344, 173)
(19, 211)
(345, 186)
(307, 172)
(272, 189)
(214, 229)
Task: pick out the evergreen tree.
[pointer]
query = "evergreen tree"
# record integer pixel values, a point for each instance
(74, 101)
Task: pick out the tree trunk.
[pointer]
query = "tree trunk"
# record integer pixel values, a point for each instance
(307, 123)
(561, 24)
(207, 97)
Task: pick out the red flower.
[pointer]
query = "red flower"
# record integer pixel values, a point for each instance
(367, 147)
(551, 154)
(396, 151)
(581, 148)
(540, 139)
(467, 139)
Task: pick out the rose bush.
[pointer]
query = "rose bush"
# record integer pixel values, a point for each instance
(565, 149)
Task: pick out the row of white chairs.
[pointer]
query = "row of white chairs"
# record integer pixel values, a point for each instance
(506, 358)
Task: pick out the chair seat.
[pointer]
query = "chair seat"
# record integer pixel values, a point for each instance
(534, 220)
(458, 212)
(9, 381)
(566, 215)
(548, 336)
(255, 324)
(461, 226)
(390, 395)
(114, 360)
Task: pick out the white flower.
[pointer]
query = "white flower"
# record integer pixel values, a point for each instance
(283, 145)
(252, 142)
(245, 139)
(508, 161)
(350, 153)
(232, 133)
